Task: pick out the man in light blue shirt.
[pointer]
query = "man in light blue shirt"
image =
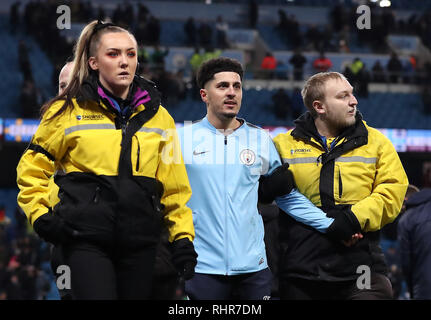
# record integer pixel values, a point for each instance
(225, 157)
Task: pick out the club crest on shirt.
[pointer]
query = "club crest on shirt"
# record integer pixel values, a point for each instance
(247, 157)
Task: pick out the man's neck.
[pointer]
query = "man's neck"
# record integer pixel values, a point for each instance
(226, 126)
(324, 130)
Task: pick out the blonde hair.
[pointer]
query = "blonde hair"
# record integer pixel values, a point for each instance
(314, 88)
(86, 47)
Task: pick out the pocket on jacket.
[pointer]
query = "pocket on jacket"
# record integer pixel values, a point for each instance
(139, 212)
(145, 152)
(91, 214)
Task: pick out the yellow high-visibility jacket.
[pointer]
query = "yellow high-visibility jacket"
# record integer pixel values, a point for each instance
(371, 177)
(109, 178)
(361, 171)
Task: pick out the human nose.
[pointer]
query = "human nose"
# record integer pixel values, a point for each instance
(231, 91)
(123, 60)
(353, 100)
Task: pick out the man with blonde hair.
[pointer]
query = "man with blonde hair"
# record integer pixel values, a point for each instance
(351, 171)
(64, 76)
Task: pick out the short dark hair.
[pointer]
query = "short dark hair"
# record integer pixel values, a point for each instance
(209, 68)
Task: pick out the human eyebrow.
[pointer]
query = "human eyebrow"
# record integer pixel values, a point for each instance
(226, 84)
(118, 49)
(344, 92)
(222, 84)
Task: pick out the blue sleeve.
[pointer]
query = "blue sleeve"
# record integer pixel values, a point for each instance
(274, 160)
(303, 210)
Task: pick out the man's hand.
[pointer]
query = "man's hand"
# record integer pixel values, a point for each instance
(351, 242)
(278, 183)
(54, 229)
(184, 257)
(345, 226)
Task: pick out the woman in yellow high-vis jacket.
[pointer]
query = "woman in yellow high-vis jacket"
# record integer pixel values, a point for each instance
(123, 172)
(352, 172)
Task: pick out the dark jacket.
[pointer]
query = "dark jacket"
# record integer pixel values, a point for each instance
(414, 235)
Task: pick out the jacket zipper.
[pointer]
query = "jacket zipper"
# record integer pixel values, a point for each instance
(96, 195)
(123, 127)
(319, 159)
(340, 181)
(225, 207)
(139, 151)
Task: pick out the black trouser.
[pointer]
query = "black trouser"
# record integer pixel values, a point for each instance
(57, 260)
(165, 287)
(302, 289)
(104, 273)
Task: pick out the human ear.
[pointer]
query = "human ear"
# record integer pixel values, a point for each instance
(319, 107)
(92, 62)
(203, 94)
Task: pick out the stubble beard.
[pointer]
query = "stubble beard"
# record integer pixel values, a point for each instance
(339, 124)
(229, 116)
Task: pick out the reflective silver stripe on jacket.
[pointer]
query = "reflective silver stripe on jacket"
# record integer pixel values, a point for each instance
(300, 160)
(356, 159)
(104, 126)
(156, 130)
(96, 126)
(339, 159)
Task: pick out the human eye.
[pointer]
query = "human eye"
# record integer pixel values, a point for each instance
(112, 54)
(131, 53)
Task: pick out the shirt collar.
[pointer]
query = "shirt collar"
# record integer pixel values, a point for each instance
(209, 126)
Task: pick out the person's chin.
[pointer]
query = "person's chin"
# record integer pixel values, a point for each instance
(350, 121)
(341, 124)
(124, 82)
(230, 115)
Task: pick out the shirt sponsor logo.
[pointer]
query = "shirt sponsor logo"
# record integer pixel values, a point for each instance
(90, 117)
(247, 157)
(299, 151)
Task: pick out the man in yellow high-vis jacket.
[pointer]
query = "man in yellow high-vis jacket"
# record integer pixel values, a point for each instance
(352, 172)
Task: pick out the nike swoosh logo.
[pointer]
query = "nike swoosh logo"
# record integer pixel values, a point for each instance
(198, 153)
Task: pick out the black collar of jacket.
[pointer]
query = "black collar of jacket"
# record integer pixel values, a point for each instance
(121, 102)
(305, 129)
(88, 91)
